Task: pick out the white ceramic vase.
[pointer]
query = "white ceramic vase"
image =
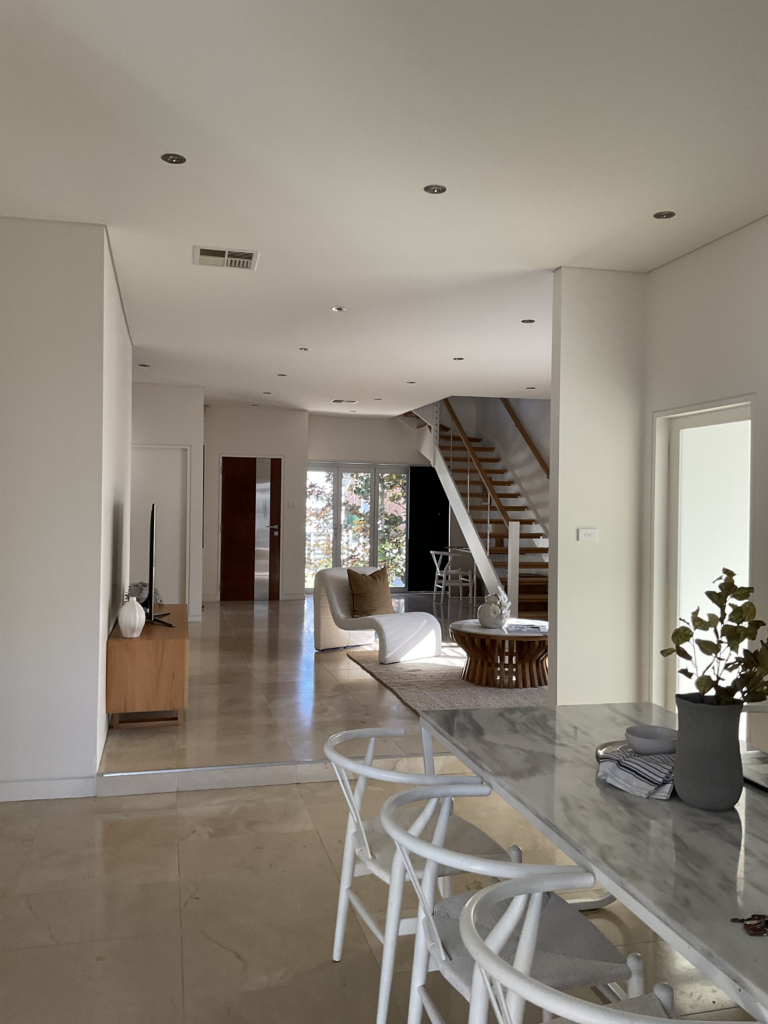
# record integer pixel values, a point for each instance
(131, 618)
(491, 614)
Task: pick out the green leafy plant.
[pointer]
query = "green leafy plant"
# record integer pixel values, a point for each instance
(733, 673)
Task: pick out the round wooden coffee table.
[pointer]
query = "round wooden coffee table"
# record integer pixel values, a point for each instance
(498, 658)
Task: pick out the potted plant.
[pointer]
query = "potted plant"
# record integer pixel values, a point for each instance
(727, 675)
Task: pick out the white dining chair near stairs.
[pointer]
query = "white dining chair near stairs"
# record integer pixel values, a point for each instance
(570, 953)
(489, 918)
(454, 569)
(368, 850)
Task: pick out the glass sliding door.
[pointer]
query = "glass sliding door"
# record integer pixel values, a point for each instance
(320, 523)
(357, 515)
(391, 524)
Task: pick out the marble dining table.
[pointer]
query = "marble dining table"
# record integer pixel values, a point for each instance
(683, 871)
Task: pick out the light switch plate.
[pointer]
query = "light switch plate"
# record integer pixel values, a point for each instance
(586, 533)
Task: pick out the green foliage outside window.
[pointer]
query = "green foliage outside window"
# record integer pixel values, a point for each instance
(356, 522)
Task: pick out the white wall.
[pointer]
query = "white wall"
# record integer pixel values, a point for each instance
(169, 414)
(368, 439)
(596, 437)
(707, 335)
(116, 476)
(258, 432)
(64, 416)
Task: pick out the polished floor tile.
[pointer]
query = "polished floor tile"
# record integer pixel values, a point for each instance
(123, 981)
(260, 694)
(218, 906)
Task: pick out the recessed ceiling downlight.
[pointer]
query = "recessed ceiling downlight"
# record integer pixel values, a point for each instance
(530, 389)
(282, 375)
(343, 401)
(145, 365)
(527, 321)
(173, 158)
(410, 382)
(664, 215)
(303, 350)
(339, 309)
(458, 359)
(435, 190)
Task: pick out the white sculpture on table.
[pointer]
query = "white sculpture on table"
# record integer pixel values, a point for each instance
(495, 613)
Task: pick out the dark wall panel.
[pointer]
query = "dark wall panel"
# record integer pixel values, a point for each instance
(428, 515)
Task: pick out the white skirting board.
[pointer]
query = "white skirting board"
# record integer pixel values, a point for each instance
(238, 776)
(218, 777)
(47, 789)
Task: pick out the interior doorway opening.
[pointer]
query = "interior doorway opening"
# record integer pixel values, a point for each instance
(250, 529)
(705, 524)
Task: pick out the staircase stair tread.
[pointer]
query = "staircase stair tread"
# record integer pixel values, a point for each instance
(481, 458)
(460, 446)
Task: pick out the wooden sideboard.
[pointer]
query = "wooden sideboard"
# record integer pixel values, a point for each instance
(149, 673)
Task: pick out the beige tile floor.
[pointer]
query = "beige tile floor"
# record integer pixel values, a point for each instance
(260, 694)
(218, 906)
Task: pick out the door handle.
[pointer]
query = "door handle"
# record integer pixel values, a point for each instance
(276, 528)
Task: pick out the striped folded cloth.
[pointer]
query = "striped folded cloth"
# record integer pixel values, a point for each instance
(646, 775)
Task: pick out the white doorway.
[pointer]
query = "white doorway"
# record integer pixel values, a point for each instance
(160, 474)
(709, 495)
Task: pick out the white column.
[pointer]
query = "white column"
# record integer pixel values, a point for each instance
(513, 567)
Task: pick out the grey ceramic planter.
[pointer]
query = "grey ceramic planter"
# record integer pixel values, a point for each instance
(708, 772)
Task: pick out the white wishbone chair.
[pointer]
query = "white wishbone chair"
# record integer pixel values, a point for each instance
(511, 985)
(572, 952)
(368, 850)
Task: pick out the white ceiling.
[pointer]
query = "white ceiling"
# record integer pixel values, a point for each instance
(310, 128)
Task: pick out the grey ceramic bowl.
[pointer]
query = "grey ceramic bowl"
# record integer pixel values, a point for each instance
(651, 739)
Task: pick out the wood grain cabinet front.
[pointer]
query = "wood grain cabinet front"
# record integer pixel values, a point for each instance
(150, 673)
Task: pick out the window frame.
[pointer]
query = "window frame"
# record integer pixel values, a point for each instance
(376, 470)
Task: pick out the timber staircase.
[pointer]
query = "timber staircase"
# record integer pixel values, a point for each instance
(492, 499)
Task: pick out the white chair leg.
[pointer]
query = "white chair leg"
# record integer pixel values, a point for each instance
(445, 886)
(347, 872)
(391, 930)
(636, 983)
(419, 972)
(478, 1000)
(666, 996)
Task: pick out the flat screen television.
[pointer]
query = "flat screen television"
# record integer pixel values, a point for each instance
(149, 602)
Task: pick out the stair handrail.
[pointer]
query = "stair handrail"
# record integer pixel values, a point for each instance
(476, 462)
(526, 436)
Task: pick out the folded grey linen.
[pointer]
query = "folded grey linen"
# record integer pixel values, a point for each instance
(646, 775)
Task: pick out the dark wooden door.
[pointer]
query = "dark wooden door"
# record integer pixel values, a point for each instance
(275, 505)
(238, 528)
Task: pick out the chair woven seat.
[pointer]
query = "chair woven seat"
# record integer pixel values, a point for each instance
(462, 836)
(570, 951)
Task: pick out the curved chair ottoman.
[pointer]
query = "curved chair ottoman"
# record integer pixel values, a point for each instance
(403, 636)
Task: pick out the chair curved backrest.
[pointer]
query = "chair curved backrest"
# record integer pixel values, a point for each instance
(510, 986)
(365, 770)
(540, 878)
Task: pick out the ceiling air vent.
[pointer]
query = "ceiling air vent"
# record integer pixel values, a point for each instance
(343, 401)
(243, 259)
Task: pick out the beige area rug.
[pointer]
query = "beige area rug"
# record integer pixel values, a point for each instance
(435, 684)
